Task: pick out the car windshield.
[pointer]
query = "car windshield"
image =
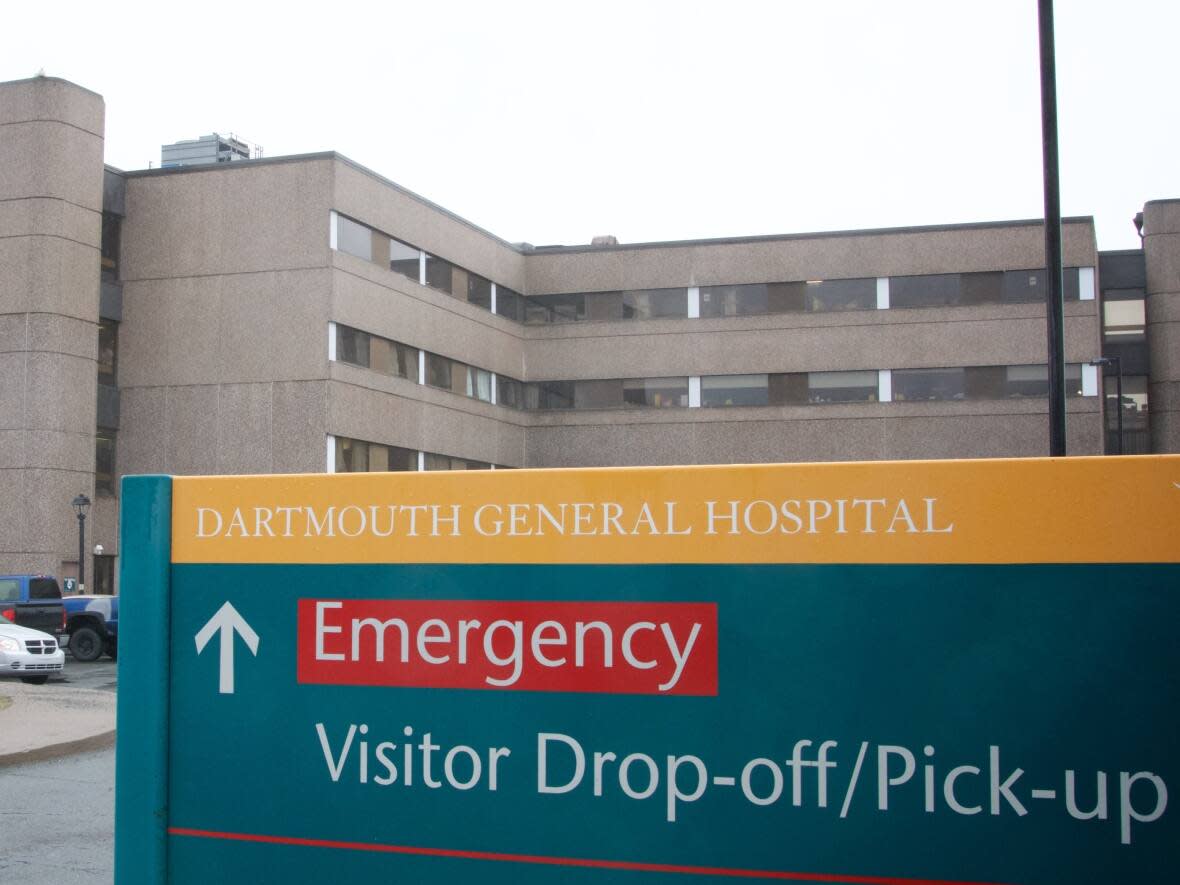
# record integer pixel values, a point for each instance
(9, 590)
(44, 588)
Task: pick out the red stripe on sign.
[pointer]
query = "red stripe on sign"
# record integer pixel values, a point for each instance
(683, 869)
(607, 647)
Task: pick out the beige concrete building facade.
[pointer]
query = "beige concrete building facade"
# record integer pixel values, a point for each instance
(304, 314)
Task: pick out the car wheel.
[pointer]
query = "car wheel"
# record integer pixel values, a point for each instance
(35, 680)
(86, 644)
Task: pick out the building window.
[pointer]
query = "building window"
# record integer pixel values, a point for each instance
(985, 287)
(479, 291)
(358, 456)
(547, 309)
(352, 346)
(108, 351)
(1124, 319)
(1136, 424)
(735, 390)
(440, 274)
(509, 392)
(823, 296)
(438, 371)
(112, 227)
(929, 384)
(404, 259)
(658, 393)
(479, 384)
(815, 296)
(104, 462)
(842, 387)
(549, 395)
(432, 461)
(644, 304)
(353, 238)
(376, 353)
(509, 304)
(104, 575)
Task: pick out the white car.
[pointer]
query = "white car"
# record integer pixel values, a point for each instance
(29, 654)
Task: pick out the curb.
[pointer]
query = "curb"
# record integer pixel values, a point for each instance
(55, 751)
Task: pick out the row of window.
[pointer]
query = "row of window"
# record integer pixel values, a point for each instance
(423, 268)
(803, 388)
(760, 389)
(752, 299)
(809, 296)
(358, 456)
(403, 361)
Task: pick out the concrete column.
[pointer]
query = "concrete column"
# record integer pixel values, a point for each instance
(51, 185)
(1161, 246)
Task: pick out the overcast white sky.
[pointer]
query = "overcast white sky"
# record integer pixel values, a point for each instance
(555, 121)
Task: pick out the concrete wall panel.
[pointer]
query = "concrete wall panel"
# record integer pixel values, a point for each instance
(61, 394)
(387, 304)
(52, 99)
(809, 342)
(192, 429)
(300, 419)
(240, 218)
(244, 441)
(843, 256)
(1161, 248)
(49, 275)
(396, 412)
(225, 329)
(43, 216)
(379, 204)
(142, 446)
(47, 158)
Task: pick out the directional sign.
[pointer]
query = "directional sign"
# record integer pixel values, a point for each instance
(225, 624)
(904, 673)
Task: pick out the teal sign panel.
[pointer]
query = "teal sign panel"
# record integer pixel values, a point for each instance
(644, 722)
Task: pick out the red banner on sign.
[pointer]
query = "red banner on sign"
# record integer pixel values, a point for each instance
(609, 647)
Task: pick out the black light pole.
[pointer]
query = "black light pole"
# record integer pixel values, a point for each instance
(81, 505)
(1118, 368)
(1055, 322)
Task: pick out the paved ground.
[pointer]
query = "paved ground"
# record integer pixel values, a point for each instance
(57, 816)
(57, 821)
(72, 712)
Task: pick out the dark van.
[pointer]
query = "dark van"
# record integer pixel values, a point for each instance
(33, 601)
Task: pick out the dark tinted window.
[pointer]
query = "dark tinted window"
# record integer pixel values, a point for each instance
(828, 295)
(735, 390)
(479, 291)
(509, 303)
(108, 350)
(403, 259)
(842, 387)
(657, 393)
(353, 238)
(509, 392)
(111, 229)
(352, 346)
(929, 384)
(104, 462)
(642, 304)
(44, 588)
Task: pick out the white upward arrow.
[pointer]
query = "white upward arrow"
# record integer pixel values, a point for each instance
(225, 622)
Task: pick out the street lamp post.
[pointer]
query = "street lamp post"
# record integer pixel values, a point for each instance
(1118, 369)
(81, 504)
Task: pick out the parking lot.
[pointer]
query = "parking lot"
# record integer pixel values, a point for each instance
(100, 674)
(61, 831)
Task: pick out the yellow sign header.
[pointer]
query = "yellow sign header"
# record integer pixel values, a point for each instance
(1083, 510)
(986, 511)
